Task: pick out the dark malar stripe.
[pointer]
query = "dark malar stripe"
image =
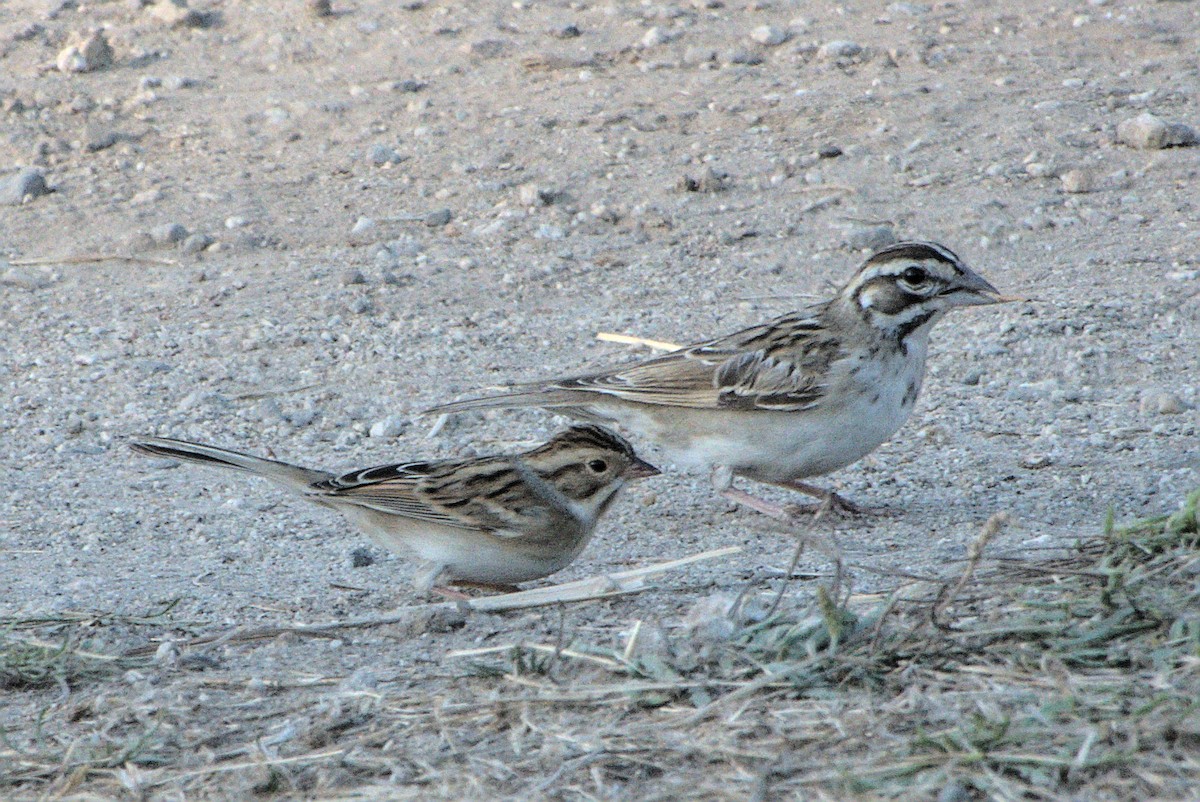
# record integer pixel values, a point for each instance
(905, 329)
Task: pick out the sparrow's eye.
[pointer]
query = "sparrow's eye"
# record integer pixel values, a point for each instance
(597, 466)
(914, 276)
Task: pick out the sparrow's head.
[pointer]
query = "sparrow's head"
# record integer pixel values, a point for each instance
(588, 464)
(909, 285)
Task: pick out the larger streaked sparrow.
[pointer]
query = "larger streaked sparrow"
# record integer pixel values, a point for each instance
(802, 395)
(493, 521)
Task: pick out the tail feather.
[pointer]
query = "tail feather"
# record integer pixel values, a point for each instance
(540, 397)
(291, 476)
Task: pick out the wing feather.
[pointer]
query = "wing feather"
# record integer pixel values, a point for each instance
(780, 365)
(498, 495)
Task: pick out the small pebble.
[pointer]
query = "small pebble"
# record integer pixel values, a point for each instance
(1148, 132)
(699, 55)
(168, 234)
(1034, 462)
(769, 35)
(380, 155)
(742, 56)
(1078, 181)
(23, 185)
(24, 277)
(361, 557)
(391, 426)
(657, 36)
(533, 195)
(195, 243)
(363, 229)
(709, 181)
(176, 14)
(1161, 402)
(486, 48)
(351, 276)
(839, 48)
(438, 218)
(90, 54)
(319, 8)
(829, 151)
(568, 31)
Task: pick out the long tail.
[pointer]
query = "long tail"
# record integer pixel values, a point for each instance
(290, 476)
(541, 397)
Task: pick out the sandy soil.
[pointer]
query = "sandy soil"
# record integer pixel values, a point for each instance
(325, 224)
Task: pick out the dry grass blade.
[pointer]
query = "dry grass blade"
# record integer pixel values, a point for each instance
(87, 259)
(599, 587)
(1064, 677)
(629, 339)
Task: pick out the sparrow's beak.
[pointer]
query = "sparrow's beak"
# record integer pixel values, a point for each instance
(640, 469)
(972, 289)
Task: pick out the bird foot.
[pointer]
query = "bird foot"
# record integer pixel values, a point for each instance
(837, 506)
(458, 595)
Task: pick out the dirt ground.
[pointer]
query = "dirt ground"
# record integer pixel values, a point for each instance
(289, 232)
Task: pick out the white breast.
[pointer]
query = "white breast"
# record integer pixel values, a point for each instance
(868, 400)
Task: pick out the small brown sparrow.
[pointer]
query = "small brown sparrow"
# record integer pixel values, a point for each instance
(492, 521)
(802, 395)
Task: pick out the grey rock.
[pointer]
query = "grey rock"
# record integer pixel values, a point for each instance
(352, 275)
(742, 56)
(1078, 181)
(486, 48)
(319, 8)
(361, 557)
(24, 277)
(168, 234)
(1148, 132)
(195, 243)
(363, 230)
(87, 55)
(537, 195)
(380, 155)
(658, 36)
(438, 218)
(177, 82)
(839, 48)
(710, 180)
(176, 14)
(769, 35)
(409, 85)
(1161, 402)
(568, 31)
(27, 183)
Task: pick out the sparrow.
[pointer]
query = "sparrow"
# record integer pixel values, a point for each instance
(799, 396)
(491, 521)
